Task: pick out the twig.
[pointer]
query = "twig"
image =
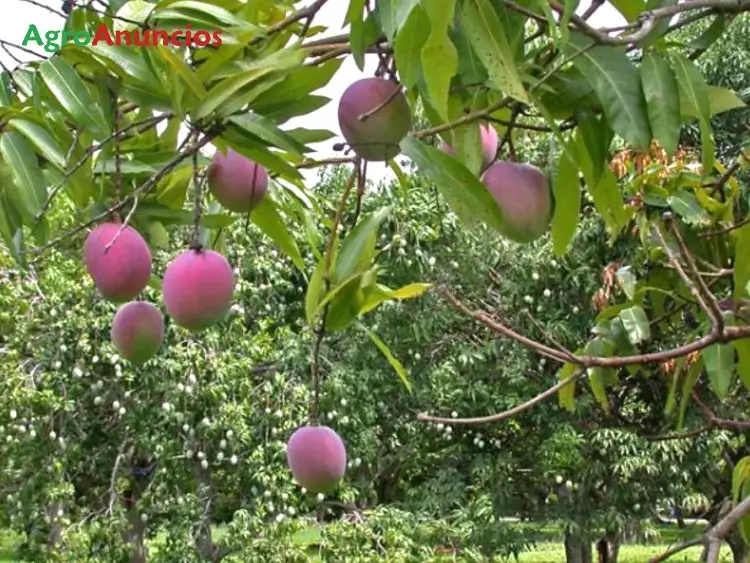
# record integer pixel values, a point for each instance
(308, 12)
(383, 104)
(142, 190)
(677, 549)
(48, 8)
(680, 435)
(725, 230)
(713, 311)
(20, 48)
(327, 162)
(510, 412)
(687, 279)
(197, 210)
(123, 226)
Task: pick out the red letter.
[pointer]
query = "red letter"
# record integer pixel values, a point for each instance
(102, 34)
(119, 35)
(201, 38)
(217, 39)
(188, 35)
(157, 34)
(175, 39)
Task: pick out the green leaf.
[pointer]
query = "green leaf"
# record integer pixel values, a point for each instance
(266, 216)
(627, 280)
(566, 395)
(265, 129)
(662, 99)
(183, 71)
(687, 389)
(741, 273)
(345, 305)
(617, 83)
(711, 33)
(671, 397)
(719, 101)
(395, 364)
(439, 54)
(719, 362)
(740, 475)
(408, 45)
(490, 42)
(694, 90)
(358, 248)
(29, 191)
(315, 290)
(743, 360)
(377, 294)
(631, 9)
(362, 34)
(608, 200)
(252, 147)
(567, 191)
(636, 325)
(687, 206)
(463, 191)
(70, 90)
(394, 14)
(42, 140)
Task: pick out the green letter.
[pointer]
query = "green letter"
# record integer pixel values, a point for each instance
(32, 35)
(51, 46)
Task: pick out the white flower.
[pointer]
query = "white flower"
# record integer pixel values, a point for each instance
(342, 402)
(268, 411)
(440, 426)
(192, 379)
(77, 372)
(122, 411)
(559, 479)
(481, 444)
(229, 434)
(321, 497)
(185, 427)
(220, 456)
(454, 414)
(449, 430)
(454, 264)
(166, 406)
(278, 414)
(547, 293)
(291, 511)
(189, 454)
(569, 484)
(180, 387)
(357, 462)
(22, 429)
(98, 400)
(57, 364)
(528, 298)
(204, 464)
(279, 517)
(223, 444)
(535, 276)
(201, 455)
(95, 360)
(303, 490)
(417, 356)
(554, 263)
(330, 416)
(575, 309)
(13, 414)
(144, 518)
(431, 261)
(115, 405)
(53, 435)
(205, 421)
(60, 513)
(233, 460)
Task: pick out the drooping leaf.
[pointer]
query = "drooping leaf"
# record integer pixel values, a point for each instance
(617, 83)
(662, 99)
(394, 14)
(266, 216)
(694, 90)
(70, 91)
(28, 191)
(567, 191)
(687, 206)
(395, 364)
(358, 247)
(490, 42)
(687, 389)
(466, 195)
(566, 395)
(636, 324)
(627, 280)
(408, 45)
(439, 54)
(719, 362)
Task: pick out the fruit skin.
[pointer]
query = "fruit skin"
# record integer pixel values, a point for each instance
(377, 137)
(523, 194)
(197, 288)
(489, 139)
(316, 455)
(124, 270)
(138, 331)
(237, 182)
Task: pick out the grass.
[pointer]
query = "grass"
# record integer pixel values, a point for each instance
(549, 549)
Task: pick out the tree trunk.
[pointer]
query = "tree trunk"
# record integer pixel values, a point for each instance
(608, 547)
(577, 550)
